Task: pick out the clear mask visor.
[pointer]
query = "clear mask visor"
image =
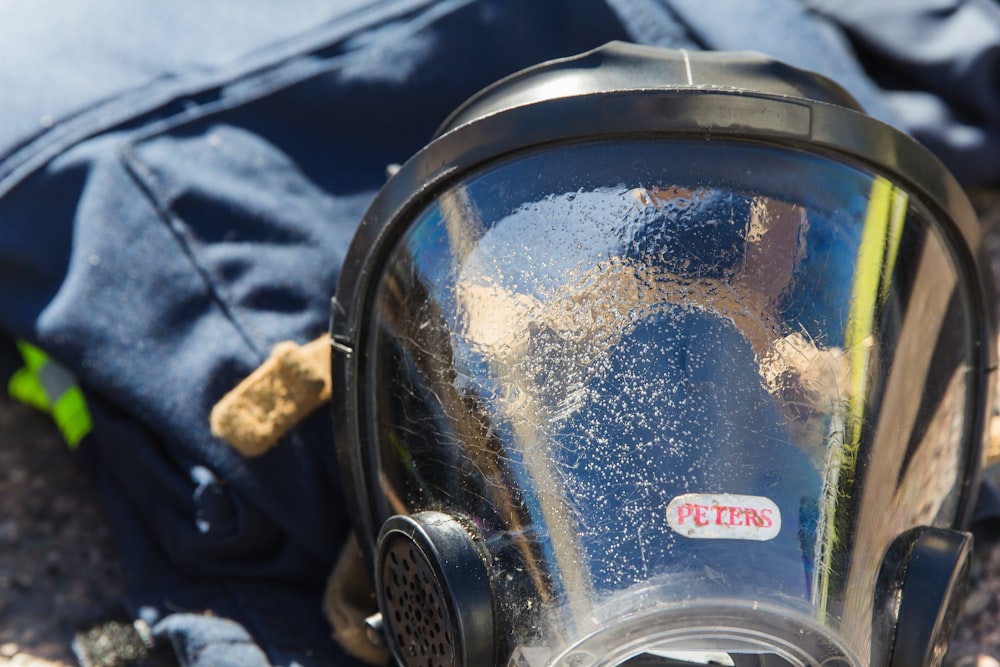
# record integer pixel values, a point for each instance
(686, 394)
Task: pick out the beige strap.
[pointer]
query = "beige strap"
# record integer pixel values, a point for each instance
(349, 600)
(993, 444)
(285, 389)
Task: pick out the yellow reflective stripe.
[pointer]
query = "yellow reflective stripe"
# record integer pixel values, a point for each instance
(897, 215)
(44, 384)
(876, 261)
(864, 297)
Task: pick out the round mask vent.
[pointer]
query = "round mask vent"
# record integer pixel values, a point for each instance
(433, 591)
(421, 623)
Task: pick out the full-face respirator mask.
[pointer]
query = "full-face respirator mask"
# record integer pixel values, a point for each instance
(664, 358)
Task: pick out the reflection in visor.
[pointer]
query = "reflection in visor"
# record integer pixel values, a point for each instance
(650, 378)
(598, 340)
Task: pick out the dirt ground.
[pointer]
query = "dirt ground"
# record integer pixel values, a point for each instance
(58, 564)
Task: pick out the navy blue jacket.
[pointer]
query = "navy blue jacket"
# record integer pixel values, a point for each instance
(179, 183)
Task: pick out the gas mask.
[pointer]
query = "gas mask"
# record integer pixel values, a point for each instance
(664, 358)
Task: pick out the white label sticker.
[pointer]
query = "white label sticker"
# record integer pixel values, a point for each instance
(715, 516)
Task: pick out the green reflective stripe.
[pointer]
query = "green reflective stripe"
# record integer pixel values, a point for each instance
(46, 385)
(25, 386)
(72, 417)
(34, 358)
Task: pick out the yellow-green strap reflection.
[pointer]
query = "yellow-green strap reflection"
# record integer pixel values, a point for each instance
(876, 261)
